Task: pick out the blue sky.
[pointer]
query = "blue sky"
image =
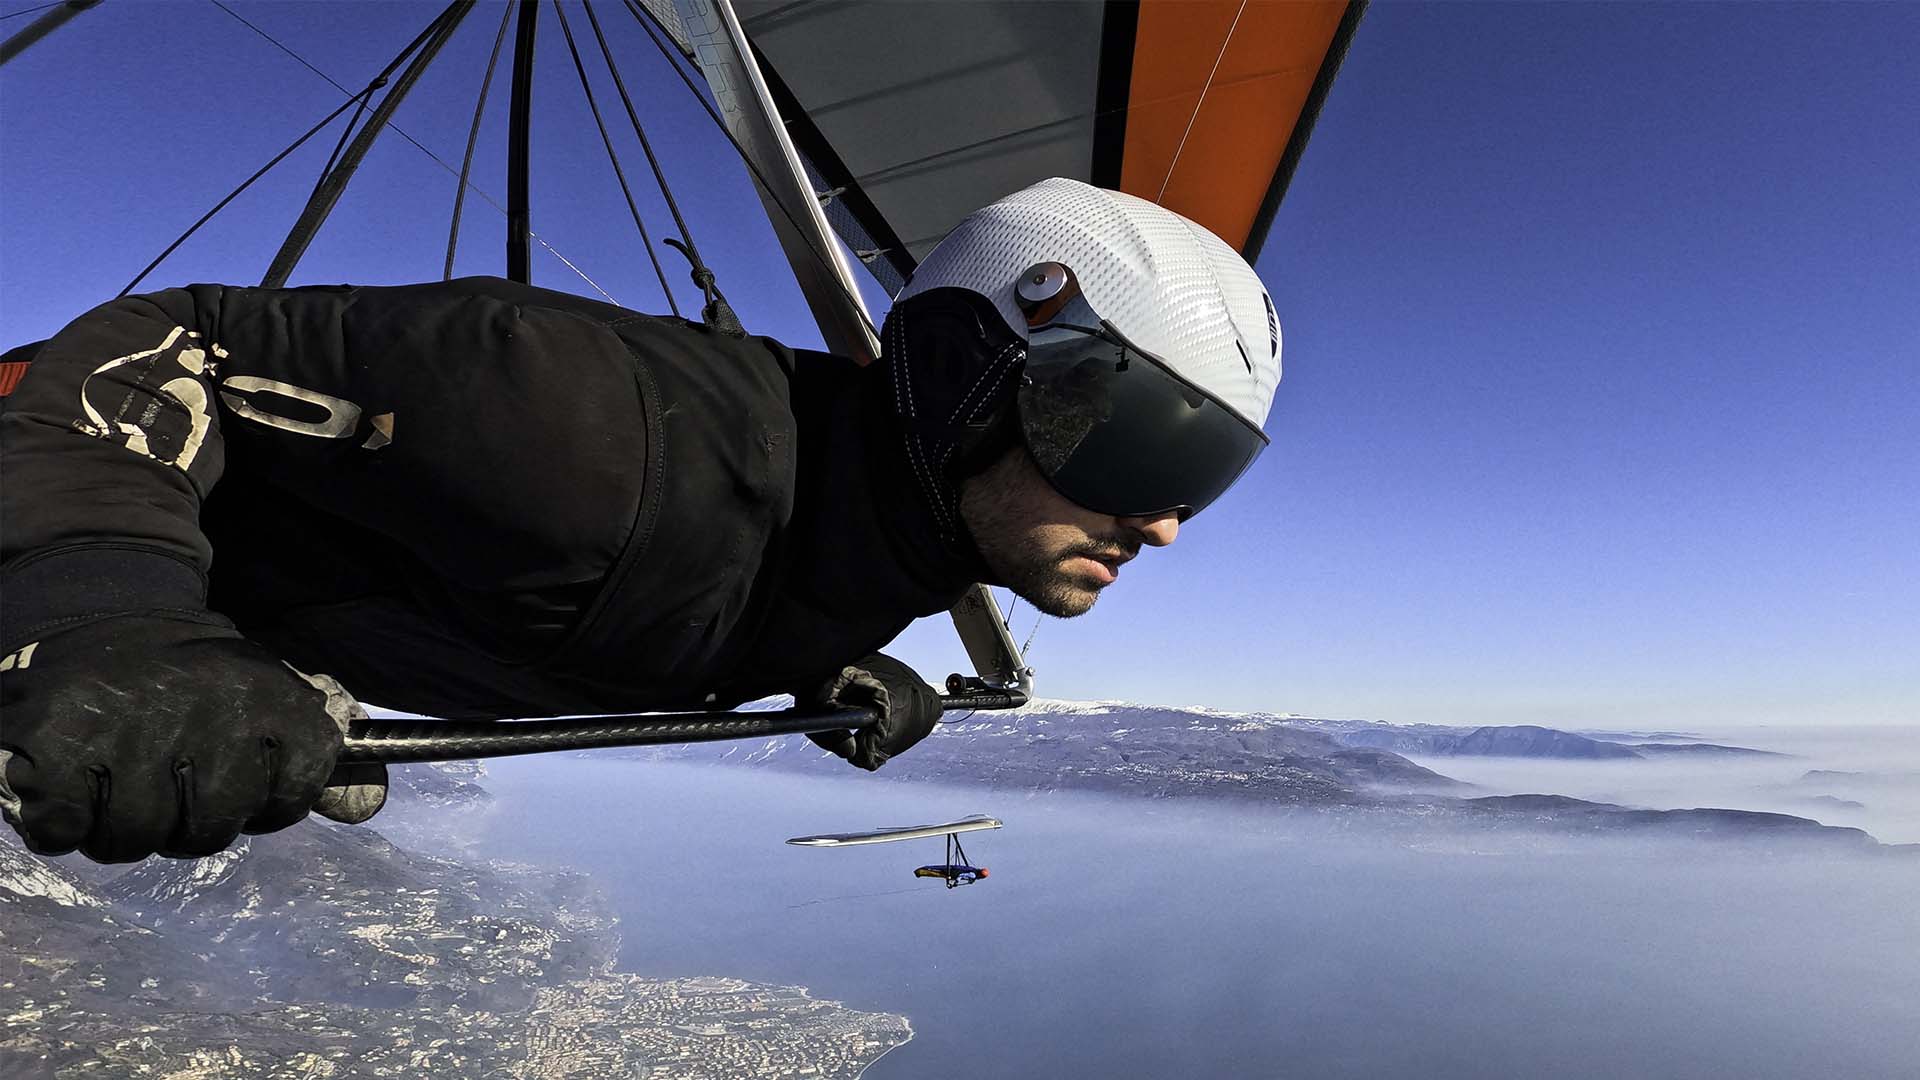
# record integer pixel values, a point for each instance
(1602, 382)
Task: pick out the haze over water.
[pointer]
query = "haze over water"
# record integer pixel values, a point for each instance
(1863, 777)
(1124, 937)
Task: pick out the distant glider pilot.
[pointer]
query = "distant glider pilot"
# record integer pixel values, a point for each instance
(480, 499)
(952, 874)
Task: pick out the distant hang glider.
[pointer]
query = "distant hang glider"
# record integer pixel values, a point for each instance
(957, 870)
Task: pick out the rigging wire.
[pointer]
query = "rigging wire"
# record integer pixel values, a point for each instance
(245, 184)
(346, 133)
(333, 183)
(717, 313)
(398, 130)
(613, 158)
(473, 137)
(278, 44)
(1013, 605)
(650, 23)
(1208, 85)
(31, 10)
(555, 252)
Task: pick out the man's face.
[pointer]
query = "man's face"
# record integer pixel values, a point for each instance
(1053, 553)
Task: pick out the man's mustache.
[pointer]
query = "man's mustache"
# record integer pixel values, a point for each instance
(1110, 551)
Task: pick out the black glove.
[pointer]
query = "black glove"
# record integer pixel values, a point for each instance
(905, 706)
(139, 734)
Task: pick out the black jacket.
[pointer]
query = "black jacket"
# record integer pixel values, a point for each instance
(470, 499)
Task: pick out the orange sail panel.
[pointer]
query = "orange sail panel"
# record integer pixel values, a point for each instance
(911, 115)
(1217, 90)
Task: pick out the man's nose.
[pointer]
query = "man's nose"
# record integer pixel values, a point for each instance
(1156, 531)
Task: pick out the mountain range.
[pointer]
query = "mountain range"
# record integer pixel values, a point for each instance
(1304, 764)
(1519, 740)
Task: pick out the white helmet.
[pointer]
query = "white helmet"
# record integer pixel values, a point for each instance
(1173, 288)
(1091, 280)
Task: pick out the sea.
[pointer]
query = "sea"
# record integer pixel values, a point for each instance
(1121, 937)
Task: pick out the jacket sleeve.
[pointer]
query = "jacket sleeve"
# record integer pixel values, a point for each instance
(108, 444)
(421, 412)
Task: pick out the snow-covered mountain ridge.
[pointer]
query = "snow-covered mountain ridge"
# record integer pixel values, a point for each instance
(1487, 740)
(24, 877)
(1334, 768)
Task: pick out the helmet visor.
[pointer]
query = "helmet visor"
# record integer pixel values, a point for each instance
(1115, 430)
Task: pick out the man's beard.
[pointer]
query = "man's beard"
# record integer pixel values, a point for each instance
(1037, 570)
(1039, 578)
(1001, 505)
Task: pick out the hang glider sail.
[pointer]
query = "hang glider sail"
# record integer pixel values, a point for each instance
(890, 835)
(1203, 107)
(956, 870)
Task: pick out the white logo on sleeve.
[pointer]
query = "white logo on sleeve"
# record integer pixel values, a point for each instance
(155, 404)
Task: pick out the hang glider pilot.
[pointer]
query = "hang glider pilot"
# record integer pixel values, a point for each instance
(479, 499)
(954, 874)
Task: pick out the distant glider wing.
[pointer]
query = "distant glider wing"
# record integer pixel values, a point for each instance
(887, 836)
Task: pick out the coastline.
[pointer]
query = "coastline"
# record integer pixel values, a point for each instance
(863, 1069)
